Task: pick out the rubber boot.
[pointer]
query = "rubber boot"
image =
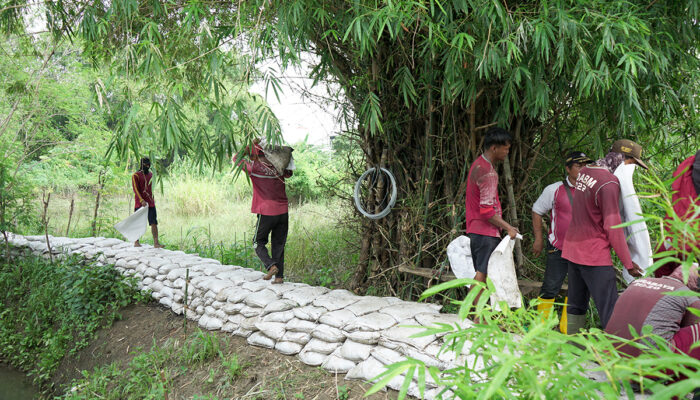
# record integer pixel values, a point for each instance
(563, 321)
(545, 307)
(575, 323)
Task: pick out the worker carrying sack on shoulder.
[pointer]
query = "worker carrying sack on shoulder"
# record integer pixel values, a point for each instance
(134, 226)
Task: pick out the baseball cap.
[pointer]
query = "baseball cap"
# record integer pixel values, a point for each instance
(629, 148)
(577, 157)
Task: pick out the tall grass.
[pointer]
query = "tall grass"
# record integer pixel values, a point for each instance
(210, 215)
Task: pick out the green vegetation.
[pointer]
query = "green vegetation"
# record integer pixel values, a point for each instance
(150, 374)
(49, 310)
(500, 362)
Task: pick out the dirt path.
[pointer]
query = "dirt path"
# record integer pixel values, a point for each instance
(267, 374)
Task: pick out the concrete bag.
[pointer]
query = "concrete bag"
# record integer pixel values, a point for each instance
(460, 255)
(501, 270)
(637, 234)
(133, 226)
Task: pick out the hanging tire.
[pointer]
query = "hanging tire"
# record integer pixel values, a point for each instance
(376, 174)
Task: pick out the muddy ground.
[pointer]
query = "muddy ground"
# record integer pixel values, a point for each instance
(267, 374)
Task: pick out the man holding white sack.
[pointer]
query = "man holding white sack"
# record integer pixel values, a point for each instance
(556, 200)
(484, 219)
(630, 209)
(143, 197)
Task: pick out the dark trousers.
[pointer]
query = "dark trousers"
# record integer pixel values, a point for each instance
(596, 281)
(278, 225)
(554, 273)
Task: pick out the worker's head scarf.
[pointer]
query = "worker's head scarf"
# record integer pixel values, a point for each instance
(692, 276)
(611, 161)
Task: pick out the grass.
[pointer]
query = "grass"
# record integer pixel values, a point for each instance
(211, 216)
(151, 374)
(50, 310)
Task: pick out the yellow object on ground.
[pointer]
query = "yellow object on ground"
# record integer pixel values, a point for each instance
(563, 324)
(545, 307)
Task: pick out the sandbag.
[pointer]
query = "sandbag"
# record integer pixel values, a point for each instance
(312, 358)
(273, 330)
(133, 226)
(328, 333)
(337, 364)
(288, 348)
(299, 325)
(501, 270)
(364, 337)
(259, 339)
(460, 256)
(337, 318)
(301, 338)
(637, 234)
(321, 347)
(355, 351)
(279, 156)
(366, 370)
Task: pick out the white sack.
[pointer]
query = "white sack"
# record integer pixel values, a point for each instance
(355, 351)
(460, 255)
(321, 347)
(630, 210)
(336, 363)
(133, 226)
(366, 370)
(301, 338)
(312, 358)
(288, 348)
(258, 339)
(328, 333)
(501, 270)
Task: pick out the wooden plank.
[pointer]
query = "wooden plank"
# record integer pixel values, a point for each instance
(526, 286)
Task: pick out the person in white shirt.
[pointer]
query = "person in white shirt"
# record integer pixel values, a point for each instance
(556, 200)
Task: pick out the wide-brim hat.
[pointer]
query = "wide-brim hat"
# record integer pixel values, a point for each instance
(631, 149)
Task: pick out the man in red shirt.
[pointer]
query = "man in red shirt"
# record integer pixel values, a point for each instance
(143, 197)
(483, 207)
(271, 205)
(595, 210)
(556, 199)
(685, 199)
(648, 302)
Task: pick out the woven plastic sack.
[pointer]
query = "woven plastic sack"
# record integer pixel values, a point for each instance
(133, 226)
(501, 270)
(460, 255)
(637, 234)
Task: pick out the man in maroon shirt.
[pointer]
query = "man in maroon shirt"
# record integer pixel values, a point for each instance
(647, 302)
(587, 246)
(483, 207)
(143, 197)
(271, 205)
(556, 200)
(685, 198)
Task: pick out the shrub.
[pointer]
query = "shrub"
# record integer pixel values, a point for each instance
(51, 309)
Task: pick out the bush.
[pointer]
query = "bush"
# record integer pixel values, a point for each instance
(48, 310)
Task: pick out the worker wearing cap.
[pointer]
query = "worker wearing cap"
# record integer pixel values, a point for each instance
(271, 206)
(589, 239)
(556, 199)
(637, 234)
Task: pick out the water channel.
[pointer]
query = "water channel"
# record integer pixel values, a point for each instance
(14, 385)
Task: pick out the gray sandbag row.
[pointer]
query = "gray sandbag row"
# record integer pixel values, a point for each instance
(334, 329)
